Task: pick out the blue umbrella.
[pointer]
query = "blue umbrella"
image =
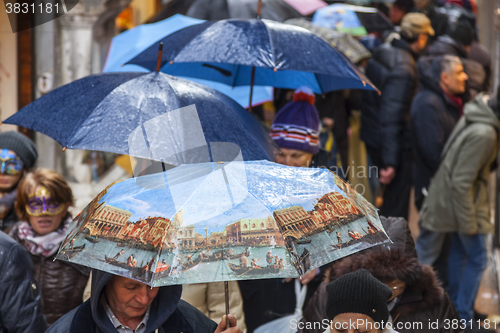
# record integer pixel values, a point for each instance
(356, 20)
(222, 221)
(130, 43)
(261, 52)
(149, 115)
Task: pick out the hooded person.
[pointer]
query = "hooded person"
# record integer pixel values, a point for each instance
(458, 201)
(417, 297)
(17, 155)
(159, 310)
(358, 301)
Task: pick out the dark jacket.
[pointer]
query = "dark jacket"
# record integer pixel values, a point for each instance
(458, 196)
(61, 283)
(20, 298)
(168, 313)
(384, 120)
(423, 300)
(433, 117)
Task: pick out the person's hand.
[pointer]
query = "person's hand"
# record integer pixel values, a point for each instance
(232, 322)
(306, 278)
(328, 122)
(387, 175)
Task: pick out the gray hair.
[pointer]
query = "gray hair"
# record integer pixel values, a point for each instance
(448, 62)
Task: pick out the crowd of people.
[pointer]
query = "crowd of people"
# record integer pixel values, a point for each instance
(431, 127)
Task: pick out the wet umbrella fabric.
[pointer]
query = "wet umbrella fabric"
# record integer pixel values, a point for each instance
(341, 41)
(356, 20)
(227, 51)
(218, 222)
(130, 43)
(150, 115)
(277, 10)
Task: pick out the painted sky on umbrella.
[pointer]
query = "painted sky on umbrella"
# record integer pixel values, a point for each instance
(254, 190)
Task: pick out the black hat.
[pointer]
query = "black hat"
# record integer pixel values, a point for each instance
(21, 145)
(463, 33)
(358, 292)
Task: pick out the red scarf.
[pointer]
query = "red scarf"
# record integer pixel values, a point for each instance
(459, 103)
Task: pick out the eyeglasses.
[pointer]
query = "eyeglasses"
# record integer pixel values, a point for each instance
(11, 163)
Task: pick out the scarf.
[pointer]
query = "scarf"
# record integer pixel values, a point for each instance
(43, 246)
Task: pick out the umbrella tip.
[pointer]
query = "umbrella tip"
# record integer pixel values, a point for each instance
(64, 149)
(364, 83)
(171, 62)
(275, 70)
(220, 162)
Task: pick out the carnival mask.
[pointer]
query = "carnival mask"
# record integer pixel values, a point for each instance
(11, 163)
(42, 203)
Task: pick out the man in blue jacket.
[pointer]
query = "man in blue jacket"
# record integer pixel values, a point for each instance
(384, 121)
(118, 304)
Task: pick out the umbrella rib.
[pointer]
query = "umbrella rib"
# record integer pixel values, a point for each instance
(272, 46)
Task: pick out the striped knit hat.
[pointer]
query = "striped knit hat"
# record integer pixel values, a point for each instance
(297, 124)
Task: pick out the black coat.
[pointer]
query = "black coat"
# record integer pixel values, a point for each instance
(20, 297)
(433, 117)
(384, 120)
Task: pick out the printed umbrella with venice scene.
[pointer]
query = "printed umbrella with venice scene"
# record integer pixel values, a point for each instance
(222, 221)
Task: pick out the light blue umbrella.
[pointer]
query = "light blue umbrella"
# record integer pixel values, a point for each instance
(222, 221)
(130, 43)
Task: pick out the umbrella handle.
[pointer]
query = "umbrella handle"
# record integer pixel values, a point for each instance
(252, 80)
(160, 53)
(226, 294)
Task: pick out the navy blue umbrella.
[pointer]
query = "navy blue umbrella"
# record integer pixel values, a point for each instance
(261, 52)
(149, 115)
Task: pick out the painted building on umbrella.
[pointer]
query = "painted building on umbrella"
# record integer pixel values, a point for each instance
(151, 230)
(262, 231)
(333, 209)
(108, 221)
(295, 222)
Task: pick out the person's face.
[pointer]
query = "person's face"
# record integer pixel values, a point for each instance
(422, 42)
(129, 299)
(294, 157)
(11, 169)
(396, 15)
(397, 287)
(454, 81)
(353, 323)
(45, 213)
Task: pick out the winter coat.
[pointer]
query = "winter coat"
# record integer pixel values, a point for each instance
(209, 299)
(458, 196)
(167, 313)
(423, 300)
(384, 118)
(433, 117)
(61, 283)
(20, 298)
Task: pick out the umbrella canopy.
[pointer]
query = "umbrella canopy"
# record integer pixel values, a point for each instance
(356, 20)
(277, 10)
(343, 42)
(278, 54)
(150, 115)
(130, 43)
(222, 221)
